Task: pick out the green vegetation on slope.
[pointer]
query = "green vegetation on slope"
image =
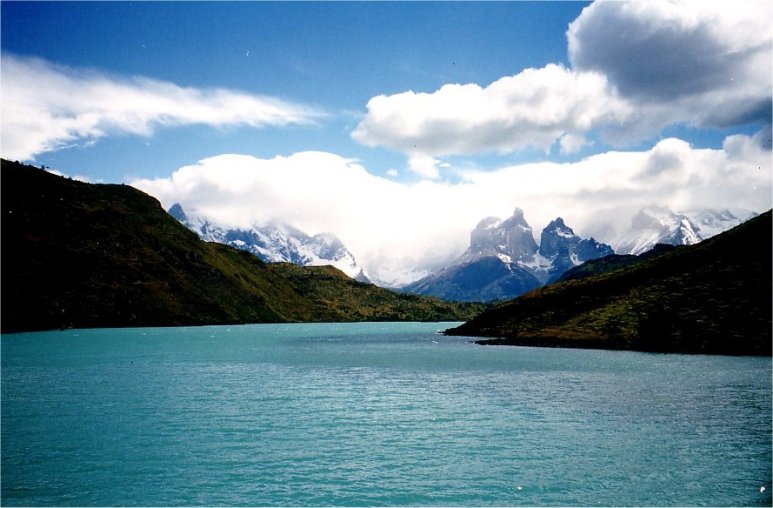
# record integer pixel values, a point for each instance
(342, 298)
(84, 255)
(714, 297)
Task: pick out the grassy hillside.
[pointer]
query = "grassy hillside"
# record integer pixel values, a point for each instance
(85, 255)
(714, 297)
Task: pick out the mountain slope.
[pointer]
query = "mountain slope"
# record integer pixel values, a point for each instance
(84, 255)
(713, 297)
(481, 280)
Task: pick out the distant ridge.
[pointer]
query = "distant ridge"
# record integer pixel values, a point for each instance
(84, 255)
(712, 297)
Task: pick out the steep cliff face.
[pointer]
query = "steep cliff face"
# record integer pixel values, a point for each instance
(511, 239)
(504, 261)
(566, 250)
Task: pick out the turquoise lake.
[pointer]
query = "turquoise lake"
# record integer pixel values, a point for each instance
(373, 414)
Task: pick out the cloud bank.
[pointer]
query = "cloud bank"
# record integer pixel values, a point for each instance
(46, 107)
(398, 230)
(637, 67)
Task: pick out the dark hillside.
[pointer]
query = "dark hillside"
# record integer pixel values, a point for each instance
(85, 255)
(713, 297)
(613, 262)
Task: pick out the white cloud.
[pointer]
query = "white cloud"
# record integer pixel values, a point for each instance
(47, 107)
(426, 166)
(531, 109)
(394, 227)
(637, 67)
(570, 143)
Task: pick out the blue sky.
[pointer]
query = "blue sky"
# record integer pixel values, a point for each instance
(334, 56)
(398, 126)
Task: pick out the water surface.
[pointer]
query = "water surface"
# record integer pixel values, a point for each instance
(373, 414)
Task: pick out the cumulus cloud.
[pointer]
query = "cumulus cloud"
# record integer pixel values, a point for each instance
(530, 109)
(47, 107)
(712, 53)
(637, 67)
(397, 229)
(705, 64)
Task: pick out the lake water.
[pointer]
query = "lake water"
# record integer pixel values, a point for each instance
(373, 414)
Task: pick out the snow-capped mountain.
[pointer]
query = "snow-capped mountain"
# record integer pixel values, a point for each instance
(660, 224)
(276, 242)
(565, 250)
(713, 222)
(511, 240)
(504, 261)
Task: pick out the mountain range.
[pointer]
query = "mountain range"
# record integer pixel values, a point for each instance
(660, 225)
(504, 261)
(711, 297)
(95, 255)
(276, 242)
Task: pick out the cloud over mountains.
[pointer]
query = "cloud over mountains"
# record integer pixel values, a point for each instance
(396, 227)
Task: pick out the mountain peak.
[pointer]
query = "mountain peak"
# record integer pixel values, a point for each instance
(658, 224)
(566, 250)
(176, 211)
(511, 238)
(558, 221)
(517, 219)
(559, 227)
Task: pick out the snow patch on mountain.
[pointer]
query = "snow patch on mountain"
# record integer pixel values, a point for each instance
(276, 242)
(659, 224)
(713, 222)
